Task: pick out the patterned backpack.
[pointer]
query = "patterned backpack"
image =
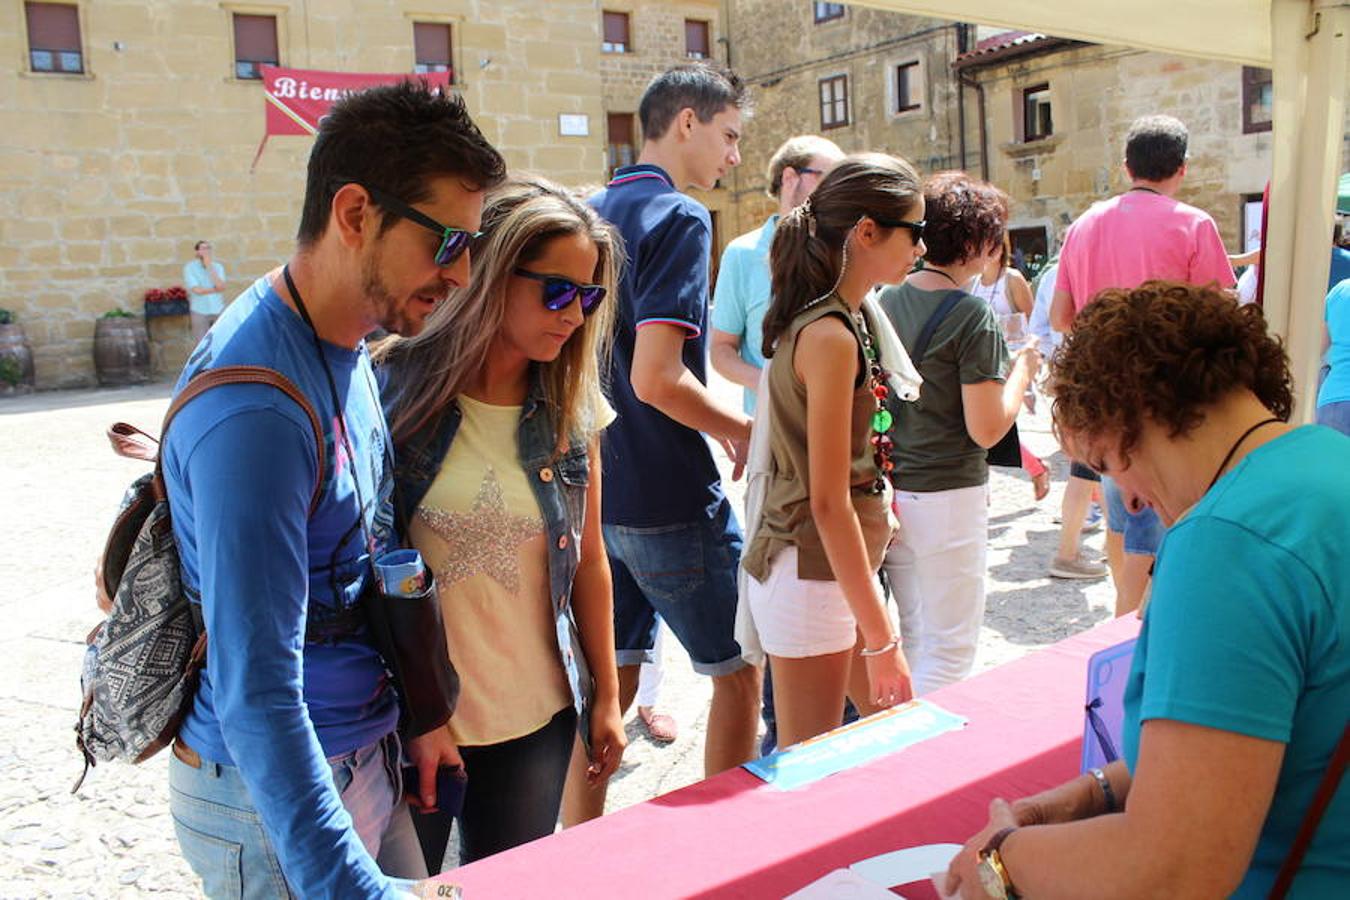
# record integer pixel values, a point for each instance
(141, 666)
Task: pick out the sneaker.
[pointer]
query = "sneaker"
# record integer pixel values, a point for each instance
(1077, 568)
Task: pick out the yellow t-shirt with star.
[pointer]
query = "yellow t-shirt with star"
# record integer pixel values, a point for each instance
(479, 530)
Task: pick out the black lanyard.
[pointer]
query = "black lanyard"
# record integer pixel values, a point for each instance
(341, 416)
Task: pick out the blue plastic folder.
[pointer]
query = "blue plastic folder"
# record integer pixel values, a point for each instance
(855, 744)
(1108, 670)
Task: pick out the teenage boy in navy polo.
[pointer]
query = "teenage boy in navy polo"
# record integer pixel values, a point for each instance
(674, 543)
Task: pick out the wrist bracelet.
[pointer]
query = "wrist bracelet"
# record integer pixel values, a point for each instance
(884, 648)
(1107, 791)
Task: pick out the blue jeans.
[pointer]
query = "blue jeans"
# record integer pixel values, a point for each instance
(223, 839)
(1143, 530)
(687, 574)
(1335, 415)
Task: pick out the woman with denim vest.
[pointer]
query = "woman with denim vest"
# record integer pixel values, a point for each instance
(825, 522)
(495, 411)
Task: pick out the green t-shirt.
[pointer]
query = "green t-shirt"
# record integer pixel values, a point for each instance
(933, 450)
(1248, 631)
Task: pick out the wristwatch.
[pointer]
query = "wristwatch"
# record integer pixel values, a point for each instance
(993, 874)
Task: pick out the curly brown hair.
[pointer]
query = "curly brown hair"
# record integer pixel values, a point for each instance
(965, 217)
(1163, 352)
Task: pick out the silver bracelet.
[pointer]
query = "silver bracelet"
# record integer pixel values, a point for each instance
(884, 648)
(1107, 791)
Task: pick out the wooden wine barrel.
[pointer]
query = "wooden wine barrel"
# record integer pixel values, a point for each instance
(16, 359)
(121, 351)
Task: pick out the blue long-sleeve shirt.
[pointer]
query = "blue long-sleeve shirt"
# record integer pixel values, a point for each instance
(240, 464)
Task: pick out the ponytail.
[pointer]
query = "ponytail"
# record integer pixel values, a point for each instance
(807, 257)
(803, 266)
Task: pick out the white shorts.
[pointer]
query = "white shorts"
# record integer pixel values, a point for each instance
(797, 618)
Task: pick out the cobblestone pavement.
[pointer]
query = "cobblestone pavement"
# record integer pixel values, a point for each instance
(61, 484)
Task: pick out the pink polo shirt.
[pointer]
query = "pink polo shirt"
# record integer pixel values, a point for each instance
(1139, 235)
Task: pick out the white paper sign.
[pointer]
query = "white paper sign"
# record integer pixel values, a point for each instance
(574, 124)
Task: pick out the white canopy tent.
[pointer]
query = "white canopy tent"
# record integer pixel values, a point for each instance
(1305, 43)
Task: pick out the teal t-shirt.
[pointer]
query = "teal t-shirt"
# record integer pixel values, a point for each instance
(742, 295)
(1248, 631)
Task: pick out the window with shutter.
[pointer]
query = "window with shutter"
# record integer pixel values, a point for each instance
(431, 47)
(616, 33)
(834, 102)
(696, 39)
(622, 140)
(255, 43)
(54, 37)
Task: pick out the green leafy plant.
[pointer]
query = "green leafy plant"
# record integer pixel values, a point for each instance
(6, 317)
(118, 314)
(11, 373)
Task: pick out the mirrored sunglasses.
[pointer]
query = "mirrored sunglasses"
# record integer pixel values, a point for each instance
(559, 292)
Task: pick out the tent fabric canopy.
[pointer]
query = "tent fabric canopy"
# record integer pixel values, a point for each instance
(1304, 43)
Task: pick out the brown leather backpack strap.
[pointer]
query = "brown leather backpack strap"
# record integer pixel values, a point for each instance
(248, 375)
(131, 442)
(1321, 800)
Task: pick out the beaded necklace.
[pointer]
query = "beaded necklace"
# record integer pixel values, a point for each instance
(882, 420)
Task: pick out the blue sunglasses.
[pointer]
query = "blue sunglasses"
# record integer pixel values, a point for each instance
(559, 292)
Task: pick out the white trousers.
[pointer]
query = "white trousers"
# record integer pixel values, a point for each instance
(935, 566)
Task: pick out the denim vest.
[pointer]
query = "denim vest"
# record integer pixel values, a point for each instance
(560, 489)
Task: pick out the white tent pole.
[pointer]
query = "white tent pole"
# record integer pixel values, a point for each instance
(1310, 48)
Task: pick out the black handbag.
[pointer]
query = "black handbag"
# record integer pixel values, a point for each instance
(1008, 451)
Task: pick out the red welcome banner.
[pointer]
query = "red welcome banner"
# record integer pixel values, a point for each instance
(297, 99)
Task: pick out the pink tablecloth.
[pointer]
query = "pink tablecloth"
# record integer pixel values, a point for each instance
(734, 836)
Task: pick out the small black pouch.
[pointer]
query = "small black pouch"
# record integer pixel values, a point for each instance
(410, 634)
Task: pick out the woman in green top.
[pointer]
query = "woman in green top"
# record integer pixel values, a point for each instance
(968, 402)
(826, 516)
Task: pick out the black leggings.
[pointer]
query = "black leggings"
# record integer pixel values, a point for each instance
(513, 795)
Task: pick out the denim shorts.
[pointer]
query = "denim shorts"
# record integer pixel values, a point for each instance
(1143, 530)
(1078, 470)
(1335, 415)
(685, 573)
(222, 837)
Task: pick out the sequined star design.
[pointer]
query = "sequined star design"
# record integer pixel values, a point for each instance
(483, 540)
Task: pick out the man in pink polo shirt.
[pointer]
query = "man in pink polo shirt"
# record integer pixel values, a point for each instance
(1142, 234)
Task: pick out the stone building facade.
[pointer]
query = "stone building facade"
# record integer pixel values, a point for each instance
(123, 149)
(1091, 94)
(867, 79)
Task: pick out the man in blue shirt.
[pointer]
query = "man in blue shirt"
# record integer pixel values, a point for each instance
(743, 285)
(204, 280)
(285, 774)
(674, 544)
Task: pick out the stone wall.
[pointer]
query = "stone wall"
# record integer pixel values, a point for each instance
(779, 48)
(108, 178)
(1096, 92)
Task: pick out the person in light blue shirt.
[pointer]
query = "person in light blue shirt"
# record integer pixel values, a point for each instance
(1333, 397)
(742, 294)
(1239, 691)
(285, 777)
(204, 280)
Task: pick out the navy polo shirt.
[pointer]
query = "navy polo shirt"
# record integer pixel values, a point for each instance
(657, 471)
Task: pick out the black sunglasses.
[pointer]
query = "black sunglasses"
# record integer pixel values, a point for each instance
(915, 228)
(559, 292)
(454, 241)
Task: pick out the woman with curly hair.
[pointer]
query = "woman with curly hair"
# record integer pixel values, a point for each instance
(495, 411)
(1240, 684)
(969, 399)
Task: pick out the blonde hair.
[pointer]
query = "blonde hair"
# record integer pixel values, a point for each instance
(427, 372)
(796, 153)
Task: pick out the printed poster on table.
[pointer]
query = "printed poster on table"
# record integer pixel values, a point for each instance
(855, 744)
